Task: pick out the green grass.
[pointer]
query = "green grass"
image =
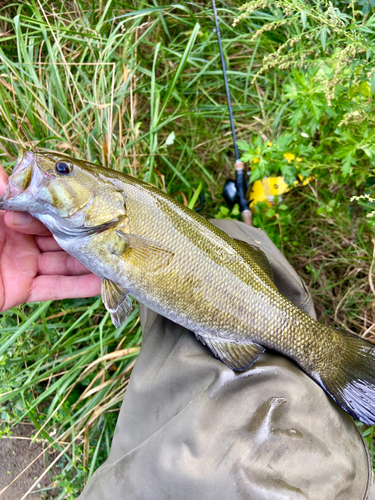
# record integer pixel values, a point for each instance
(137, 86)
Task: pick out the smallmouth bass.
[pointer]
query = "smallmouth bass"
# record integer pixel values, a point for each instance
(142, 242)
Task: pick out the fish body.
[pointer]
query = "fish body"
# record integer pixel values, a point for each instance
(143, 243)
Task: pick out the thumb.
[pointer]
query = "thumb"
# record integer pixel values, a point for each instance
(24, 223)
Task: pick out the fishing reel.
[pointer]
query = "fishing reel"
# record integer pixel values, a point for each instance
(264, 190)
(235, 192)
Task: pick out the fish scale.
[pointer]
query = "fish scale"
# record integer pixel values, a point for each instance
(233, 301)
(142, 242)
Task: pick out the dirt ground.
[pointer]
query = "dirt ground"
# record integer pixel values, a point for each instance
(16, 454)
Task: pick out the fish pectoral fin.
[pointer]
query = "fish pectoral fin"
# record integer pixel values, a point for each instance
(259, 257)
(145, 252)
(237, 356)
(116, 301)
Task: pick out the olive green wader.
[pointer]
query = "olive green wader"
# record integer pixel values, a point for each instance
(191, 428)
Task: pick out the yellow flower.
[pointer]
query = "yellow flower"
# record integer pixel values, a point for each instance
(289, 157)
(256, 160)
(269, 143)
(299, 159)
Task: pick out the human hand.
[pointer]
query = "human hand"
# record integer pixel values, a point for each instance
(33, 267)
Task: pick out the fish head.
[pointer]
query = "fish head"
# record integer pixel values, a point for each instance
(62, 192)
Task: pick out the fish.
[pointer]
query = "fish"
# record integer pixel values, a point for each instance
(142, 243)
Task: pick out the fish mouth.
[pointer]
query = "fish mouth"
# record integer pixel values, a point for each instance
(25, 182)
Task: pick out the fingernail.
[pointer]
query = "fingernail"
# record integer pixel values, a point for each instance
(20, 218)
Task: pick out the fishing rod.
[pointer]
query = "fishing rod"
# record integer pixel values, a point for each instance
(233, 191)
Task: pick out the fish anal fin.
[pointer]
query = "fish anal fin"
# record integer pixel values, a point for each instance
(258, 256)
(236, 355)
(116, 300)
(144, 252)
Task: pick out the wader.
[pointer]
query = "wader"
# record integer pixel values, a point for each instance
(192, 429)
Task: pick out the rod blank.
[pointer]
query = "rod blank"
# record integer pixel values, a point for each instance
(226, 83)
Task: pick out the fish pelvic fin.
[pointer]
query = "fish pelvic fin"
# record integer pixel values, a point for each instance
(351, 381)
(116, 301)
(237, 356)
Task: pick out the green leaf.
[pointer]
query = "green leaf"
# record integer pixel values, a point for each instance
(346, 167)
(289, 173)
(236, 210)
(247, 157)
(364, 89)
(195, 197)
(303, 19)
(255, 175)
(373, 83)
(243, 145)
(323, 38)
(183, 61)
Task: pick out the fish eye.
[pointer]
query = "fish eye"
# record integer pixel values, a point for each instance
(63, 168)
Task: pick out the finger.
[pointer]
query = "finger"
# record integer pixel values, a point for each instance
(3, 180)
(64, 287)
(47, 244)
(24, 223)
(19, 265)
(60, 263)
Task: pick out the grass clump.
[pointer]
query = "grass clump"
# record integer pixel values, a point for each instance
(139, 88)
(75, 369)
(325, 113)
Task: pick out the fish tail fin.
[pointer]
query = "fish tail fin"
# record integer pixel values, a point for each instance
(349, 377)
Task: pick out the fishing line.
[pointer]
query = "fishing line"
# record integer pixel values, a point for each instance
(235, 192)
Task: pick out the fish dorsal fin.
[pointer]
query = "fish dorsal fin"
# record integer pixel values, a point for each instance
(258, 256)
(237, 356)
(117, 301)
(144, 252)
